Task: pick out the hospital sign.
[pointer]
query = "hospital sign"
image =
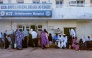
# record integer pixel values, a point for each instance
(25, 10)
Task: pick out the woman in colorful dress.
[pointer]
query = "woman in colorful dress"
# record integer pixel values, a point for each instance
(75, 45)
(19, 37)
(44, 40)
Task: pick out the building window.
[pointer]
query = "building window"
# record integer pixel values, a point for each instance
(59, 3)
(80, 3)
(43, 1)
(36, 1)
(72, 3)
(1, 1)
(20, 1)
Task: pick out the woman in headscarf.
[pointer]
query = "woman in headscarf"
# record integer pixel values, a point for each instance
(12, 35)
(24, 41)
(39, 38)
(46, 33)
(6, 41)
(19, 36)
(75, 45)
(82, 43)
(44, 40)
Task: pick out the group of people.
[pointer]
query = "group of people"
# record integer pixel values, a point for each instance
(22, 39)
(71, 42)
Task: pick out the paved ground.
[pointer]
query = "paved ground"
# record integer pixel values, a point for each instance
(46, 53)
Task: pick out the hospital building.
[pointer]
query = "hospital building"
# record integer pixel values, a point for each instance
(47, 14)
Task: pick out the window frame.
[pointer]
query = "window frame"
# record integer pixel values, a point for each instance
(59, 3)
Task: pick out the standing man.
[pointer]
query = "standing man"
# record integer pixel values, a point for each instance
(72, 33)
(30, 38)
(34, 38)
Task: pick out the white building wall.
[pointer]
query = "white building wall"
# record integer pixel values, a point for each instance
(87, 3)
(27, 1)
(13, 1)
(84, 28)
(5, 25)
(61, 24)
(5, 1)
(53, 3)
(65, 2)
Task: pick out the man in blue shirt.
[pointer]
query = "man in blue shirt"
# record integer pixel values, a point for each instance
(55, 37)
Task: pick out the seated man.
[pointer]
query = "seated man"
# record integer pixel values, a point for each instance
(82, 43)
(64, 41)
(60, 41)
(89, 42)
(55, 37)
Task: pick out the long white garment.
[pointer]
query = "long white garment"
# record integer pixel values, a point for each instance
(83, 39)
(60, 42)
(65, 41)
(89, 39)
(72, 32)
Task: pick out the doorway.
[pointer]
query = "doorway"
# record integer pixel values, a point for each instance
(66, 30)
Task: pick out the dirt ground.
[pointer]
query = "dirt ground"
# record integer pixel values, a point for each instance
(44, 53)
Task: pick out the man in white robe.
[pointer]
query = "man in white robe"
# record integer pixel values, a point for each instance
(72, 32)
(62, 41)
(89, 39)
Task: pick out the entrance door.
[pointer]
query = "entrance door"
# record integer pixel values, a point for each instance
(66, 30)
(33, 27)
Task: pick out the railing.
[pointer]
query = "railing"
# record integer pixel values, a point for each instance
(73, 5)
